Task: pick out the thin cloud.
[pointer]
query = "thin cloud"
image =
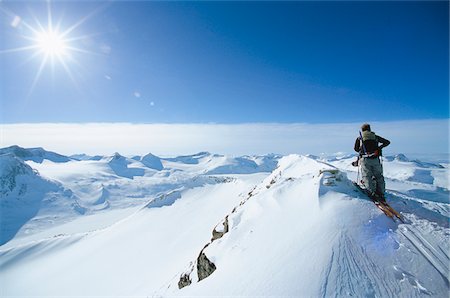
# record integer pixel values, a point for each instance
(418, 137)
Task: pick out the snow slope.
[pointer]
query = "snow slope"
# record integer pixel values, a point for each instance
(26, 196)
(115, 183)
(301, 233)
(134, 256)
(247, 226)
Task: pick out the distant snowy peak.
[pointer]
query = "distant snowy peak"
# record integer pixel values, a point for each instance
(24, 194)
(203, 154)
(10, 168)
(216, 164)
(152, 161)
(240, 165)
(228, 165)
(266, 163)
(123, 166)
(85, 157)
(402, 158)
(10, 163)
(117, 158)
(17, 178)
(34, 154)
(192, 159)
(398, 157)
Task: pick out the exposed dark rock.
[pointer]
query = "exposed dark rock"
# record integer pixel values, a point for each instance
(218, 234)
(204, 266)
(184, 281)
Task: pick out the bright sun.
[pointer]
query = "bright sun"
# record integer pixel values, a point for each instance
(51, 43)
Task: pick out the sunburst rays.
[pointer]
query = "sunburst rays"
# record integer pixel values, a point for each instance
(50, 42)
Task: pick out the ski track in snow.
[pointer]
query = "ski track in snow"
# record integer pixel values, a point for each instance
(326, 239)
(437, 258)
(351, 270)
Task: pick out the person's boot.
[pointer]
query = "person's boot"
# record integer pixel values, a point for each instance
(380, 197)
(373, 195)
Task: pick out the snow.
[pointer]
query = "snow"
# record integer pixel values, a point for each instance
(271, 225)
(35, 154)
(26, 197)
(152, 162)
(294, 237)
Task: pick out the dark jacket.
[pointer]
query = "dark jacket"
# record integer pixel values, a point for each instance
(371, 143)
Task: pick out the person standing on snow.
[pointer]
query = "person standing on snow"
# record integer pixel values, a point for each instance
(367, 144)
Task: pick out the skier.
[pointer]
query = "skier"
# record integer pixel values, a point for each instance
(367, 144)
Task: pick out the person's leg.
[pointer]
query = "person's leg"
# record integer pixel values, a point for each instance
(366, 175)
(377, 170)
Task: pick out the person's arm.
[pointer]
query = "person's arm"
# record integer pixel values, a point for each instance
(383, 141)
(357, 146)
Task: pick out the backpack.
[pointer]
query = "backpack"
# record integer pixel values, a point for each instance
(369, 143)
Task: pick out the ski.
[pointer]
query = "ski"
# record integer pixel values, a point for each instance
(383, 208)
(393, 211)
(382, 205)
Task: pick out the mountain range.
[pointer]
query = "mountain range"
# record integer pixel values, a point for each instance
(208, 225)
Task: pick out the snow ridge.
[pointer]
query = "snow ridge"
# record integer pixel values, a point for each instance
(35, 154)
(290, 169)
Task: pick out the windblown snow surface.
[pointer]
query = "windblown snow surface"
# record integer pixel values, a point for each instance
(215, 225)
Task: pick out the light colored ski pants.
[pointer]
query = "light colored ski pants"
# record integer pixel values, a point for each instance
(372, 175)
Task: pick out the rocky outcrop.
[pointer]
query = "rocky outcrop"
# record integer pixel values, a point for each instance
(204, 266)
(184, 281)
(185, 278)
(220, 230)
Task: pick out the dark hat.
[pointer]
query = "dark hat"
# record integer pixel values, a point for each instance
(365, 126)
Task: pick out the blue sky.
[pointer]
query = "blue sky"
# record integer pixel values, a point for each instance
(227, 62)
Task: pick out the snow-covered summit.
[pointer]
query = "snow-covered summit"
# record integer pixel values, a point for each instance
(11, 168)
(152, 161)
(24, 194)
(304, 231)
(34, 154)
(123, 166)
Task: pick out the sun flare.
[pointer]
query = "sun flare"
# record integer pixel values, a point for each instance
(51, 43)
(54, 44)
